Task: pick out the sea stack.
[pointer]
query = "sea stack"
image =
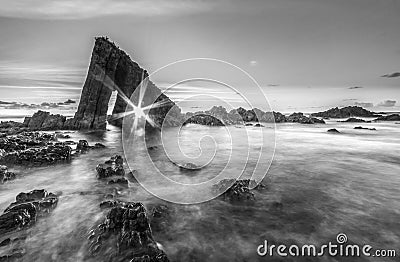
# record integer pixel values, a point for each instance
(111, 69)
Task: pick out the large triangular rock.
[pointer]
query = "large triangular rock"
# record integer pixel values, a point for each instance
(110, 67)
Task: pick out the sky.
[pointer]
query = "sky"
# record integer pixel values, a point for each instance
(306, 55)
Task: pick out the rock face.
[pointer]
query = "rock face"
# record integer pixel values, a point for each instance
(112, 68)
(125, 235)
(26, 209)
(393, 117)
(345, 112)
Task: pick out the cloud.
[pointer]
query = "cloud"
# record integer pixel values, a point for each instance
(356, 87)
(397, 74)
(387, 103)
(364, 104)
(81, 9)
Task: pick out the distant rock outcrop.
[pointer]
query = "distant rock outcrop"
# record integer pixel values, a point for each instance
(333, 130)
(203, 119)
(354, 120)
(345, 112)
(393, 117)
(112, 68)
(42, 120)
(301, 118)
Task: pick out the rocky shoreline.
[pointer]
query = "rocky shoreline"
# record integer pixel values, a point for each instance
(125, 231)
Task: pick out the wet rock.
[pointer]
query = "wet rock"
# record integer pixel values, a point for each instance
(32, 149)
(364, 128)
(99, 145)
(120, 181)
(189, 166)
(393, 117)
(333, 130)
(26, 210)
(345, 112)
(126, 231)
(63, 136)
(248, 124)
(112, 167)
(237, 190)
(82, 146)
(258, 125)
(5, 175)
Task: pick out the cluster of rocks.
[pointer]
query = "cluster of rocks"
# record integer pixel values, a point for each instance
(302, 119)
(345, 112)
(241, 115)
(22, 214)
(237, 190)
(126, 231)
(113, 171)
(203, 119)
(6, 175)
(35, 148)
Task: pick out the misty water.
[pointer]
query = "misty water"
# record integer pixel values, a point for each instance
(327, 184)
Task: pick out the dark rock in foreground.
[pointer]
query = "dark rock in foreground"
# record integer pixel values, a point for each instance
(345, 112)
(333, 130)
(393, 117)
(125, 235)
(239, 189)
(26, 210)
